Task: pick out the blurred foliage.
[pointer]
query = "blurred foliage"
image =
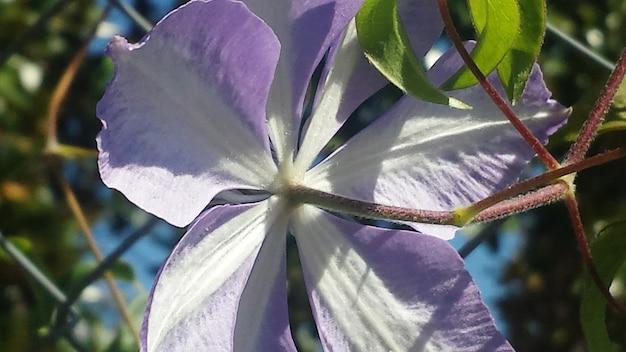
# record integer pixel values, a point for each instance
(609, 252)
(34, 214)
(31, 205)
(544, 281)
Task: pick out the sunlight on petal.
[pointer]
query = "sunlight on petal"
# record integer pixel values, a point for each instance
(327, 118)
(202, 296)
(429, 156)
(305, 28)
(375, 289)
(184, 116)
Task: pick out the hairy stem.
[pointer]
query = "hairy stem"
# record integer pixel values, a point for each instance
(543, 196)
(587, 133)
(499, 205)
(543, 179)
(355, 207)
(328, 201)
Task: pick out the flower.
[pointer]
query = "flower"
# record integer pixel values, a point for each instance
(210, 101)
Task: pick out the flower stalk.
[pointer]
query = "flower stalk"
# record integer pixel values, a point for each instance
(518, 198)
(333, 202)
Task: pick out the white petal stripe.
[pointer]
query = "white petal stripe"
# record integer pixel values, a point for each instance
(211, 252)
(356, 298)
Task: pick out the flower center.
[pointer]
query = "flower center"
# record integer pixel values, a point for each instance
(288, 177)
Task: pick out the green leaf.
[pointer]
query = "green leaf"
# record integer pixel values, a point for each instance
(123, 270)
(609, 253)
(386, 44)
(498, 23)
(580, 112)
(612, 126)
(516, 65)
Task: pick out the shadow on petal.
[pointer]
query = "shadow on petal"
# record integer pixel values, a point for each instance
(376, 289)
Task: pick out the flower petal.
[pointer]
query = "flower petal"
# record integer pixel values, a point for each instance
(376, 289)
(336, 103)
(351, 79)
(184, 115)
(223, 287)
(305, 28)
(428, 156)
(422, 22)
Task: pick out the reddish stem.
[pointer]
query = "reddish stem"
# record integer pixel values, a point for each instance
(498, 205)
(572, 207)
(532, 200)
(587, 133)
(546, 178)
(543, 154)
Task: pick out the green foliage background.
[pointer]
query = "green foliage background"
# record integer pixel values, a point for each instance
(544, 280)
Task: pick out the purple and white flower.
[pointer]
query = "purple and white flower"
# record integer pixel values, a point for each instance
(210, 102)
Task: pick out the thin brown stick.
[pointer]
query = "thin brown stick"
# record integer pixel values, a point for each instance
(78, 213)
(56, 101)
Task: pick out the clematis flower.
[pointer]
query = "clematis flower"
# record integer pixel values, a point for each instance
(209, 105)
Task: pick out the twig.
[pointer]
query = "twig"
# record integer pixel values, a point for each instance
(58, 96)
(105, 264)
(487, 232)
(60, 298)
(93, 246)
